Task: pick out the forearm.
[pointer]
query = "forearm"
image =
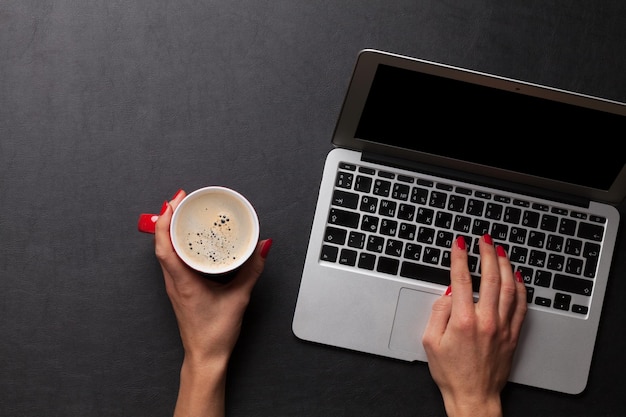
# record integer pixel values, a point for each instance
(202, 389)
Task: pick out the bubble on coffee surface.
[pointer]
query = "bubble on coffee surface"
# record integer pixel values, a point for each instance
(216, 243)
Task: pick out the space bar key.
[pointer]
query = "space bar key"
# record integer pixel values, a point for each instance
(425, 273)
(432, 274)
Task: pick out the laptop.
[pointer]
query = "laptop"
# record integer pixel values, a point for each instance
(424, 152)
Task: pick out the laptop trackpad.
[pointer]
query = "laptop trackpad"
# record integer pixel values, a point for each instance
(412, 314)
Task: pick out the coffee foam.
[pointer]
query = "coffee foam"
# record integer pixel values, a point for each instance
(214, 231)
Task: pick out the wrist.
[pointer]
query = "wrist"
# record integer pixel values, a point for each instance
(202, 388)
(473, 407)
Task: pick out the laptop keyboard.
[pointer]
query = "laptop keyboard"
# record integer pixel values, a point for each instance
(404, 226)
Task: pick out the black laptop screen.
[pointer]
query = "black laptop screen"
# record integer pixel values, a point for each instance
(488, 126)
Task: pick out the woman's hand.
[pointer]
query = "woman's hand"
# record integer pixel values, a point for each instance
(209, 316)
(470, 345)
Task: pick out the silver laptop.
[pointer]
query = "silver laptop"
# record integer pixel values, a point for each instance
(425, 152)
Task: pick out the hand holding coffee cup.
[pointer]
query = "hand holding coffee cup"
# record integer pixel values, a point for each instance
(214, 230)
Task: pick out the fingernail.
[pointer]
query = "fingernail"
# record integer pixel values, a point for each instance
(448, 290)
(146, 222)
(518, 276)
(500, 251)
(266, 248)
(460, 242)
(177, 192)
(488, 239)
(163, 208)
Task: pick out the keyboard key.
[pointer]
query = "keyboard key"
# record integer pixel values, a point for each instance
(388, 265)
(393, 247)
(574, 285)
(555, 243)
(345, 199)
(425, 273)
(444, 239)
(530, 218)
(499, 231)
(475, 207)
(407, 231)
(549, 222)
(425, 215)
(356, 240)
(363, 184)
(382, 188)
(431, 255)
(335, 235)
(555, 262)
(419, 195)
(406, 212)
(369, 223)
(329, 253)
(343, 218)
(344, 179)
(462, 223)
(426, 235)
(443, 220)
(543, 279)
(387, 208)
(493, 211)
(512, 215)
(400, 192)
(368, 204)
(347, 257)
(456, 203)
(412, 251)
(480, 227)
(375, 244)
(388, 227)
(367, 261)
(573, 246)
(542, 301)
(518, 235)
(438, 199)
(590, 231)
(536, 239)
(567, 226)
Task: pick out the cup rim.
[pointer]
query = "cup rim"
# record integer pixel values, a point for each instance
(249, 250)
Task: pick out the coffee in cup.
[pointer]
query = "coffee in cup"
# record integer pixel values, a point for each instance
(214, 230)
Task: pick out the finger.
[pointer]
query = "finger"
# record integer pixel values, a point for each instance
(460, 279)
(489, 293)
(253, 267)
(437, 322)
(163, 243)
(508, 287)
(521, 306)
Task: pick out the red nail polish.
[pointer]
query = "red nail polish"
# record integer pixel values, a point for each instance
(488, 239)
(500, 251)
(448, 290)
(163, 208)
(146, 222)
(266, 248)
(177, 192)
(460, 242)
(518, 276)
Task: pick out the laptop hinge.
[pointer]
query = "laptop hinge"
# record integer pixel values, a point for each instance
(476, 179)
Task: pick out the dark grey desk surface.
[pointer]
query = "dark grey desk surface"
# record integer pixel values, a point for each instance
(107, 108)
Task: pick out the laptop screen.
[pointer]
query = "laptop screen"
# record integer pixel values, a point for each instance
(494, 127)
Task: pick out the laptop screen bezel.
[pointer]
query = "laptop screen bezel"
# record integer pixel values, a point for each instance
(363, 75)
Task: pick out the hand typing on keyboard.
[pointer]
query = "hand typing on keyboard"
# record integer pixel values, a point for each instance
(470, 345)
